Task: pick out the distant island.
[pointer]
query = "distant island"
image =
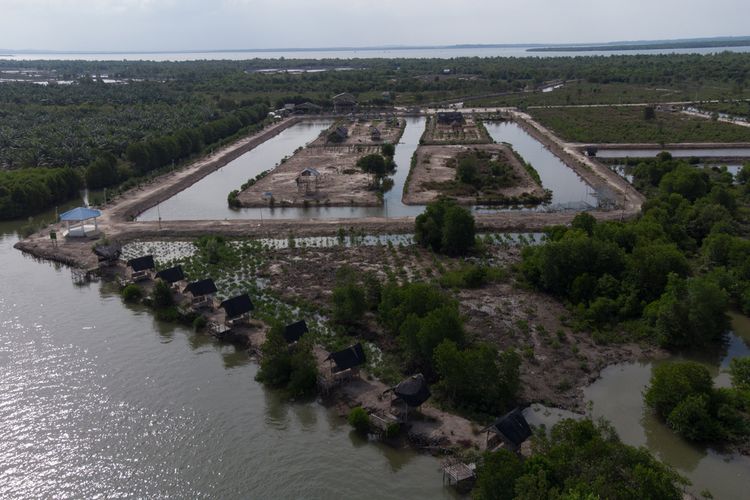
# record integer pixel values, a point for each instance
(668, 44)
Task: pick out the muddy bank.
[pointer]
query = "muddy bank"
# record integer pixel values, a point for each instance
(433, 166)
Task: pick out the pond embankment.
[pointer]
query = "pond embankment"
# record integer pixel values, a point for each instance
(595, 174)
(134, 202)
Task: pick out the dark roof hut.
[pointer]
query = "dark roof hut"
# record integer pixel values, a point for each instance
(238, 306)
(144, 263)
(413, 391)
(171, 275)
(349, 358)
(512, 429)
(141, 268)
(201, 288)
(295, 331)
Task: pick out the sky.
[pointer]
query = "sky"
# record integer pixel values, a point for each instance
(164, 25)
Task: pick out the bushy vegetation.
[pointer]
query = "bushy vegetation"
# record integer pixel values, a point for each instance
(431, 334)
(292, 368)
(446, 227)
(27, 191)
(630, 124)
(579, 460)
(683, 395)
(671, 274)
(484, 176)
(132, 293)
(359, 419)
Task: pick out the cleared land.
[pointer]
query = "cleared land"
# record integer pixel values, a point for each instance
(557, 360)
(627, 124)
(470, 131)
(435, 173)
(334, 178)
(360, 132)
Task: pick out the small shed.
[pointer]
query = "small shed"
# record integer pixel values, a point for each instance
(141, 268)
(202, 292)
(344, 103)
(237, 308)
(511, 429)
(448, 117)
(307, 108)
(375, 134)
(173, 275)
(295, 331)
(349, 359)
(308, 180)
(79, 218)
(108, 255)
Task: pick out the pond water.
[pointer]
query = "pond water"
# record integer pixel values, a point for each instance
(567, 187)
(206, 199)
(677, 153)
(618, 397)
(98, 399)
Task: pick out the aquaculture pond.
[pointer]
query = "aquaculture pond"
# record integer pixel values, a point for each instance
(98, 399)
(206, 199)
(568, 189)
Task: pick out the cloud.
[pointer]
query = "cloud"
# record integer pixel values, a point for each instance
(194, 24)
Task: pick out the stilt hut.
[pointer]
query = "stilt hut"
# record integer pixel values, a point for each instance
(345, 364)
(202, 293)
(173, 276)
(510, 430)
(237, 309)
(409, 394)
(375, 134)
(141, 268)
(295, 331)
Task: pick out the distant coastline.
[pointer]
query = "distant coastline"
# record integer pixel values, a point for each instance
(686, 44)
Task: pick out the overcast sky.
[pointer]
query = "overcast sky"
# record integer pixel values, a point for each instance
(125, 25)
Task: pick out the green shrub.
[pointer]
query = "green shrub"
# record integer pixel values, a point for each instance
(200, 323)
(359, 419)
(132, 293)
(392, 430)
(163, 297)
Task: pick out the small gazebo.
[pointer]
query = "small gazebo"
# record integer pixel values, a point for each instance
(79, 218)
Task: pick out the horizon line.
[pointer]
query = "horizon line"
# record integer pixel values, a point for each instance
(379, 47)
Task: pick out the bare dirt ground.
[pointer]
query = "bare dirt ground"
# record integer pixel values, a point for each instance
(340, 183)
(469, 132)
(359, 132)
(432, 166)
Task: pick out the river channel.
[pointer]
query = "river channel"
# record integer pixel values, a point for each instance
(207, 198)
(98, 399)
